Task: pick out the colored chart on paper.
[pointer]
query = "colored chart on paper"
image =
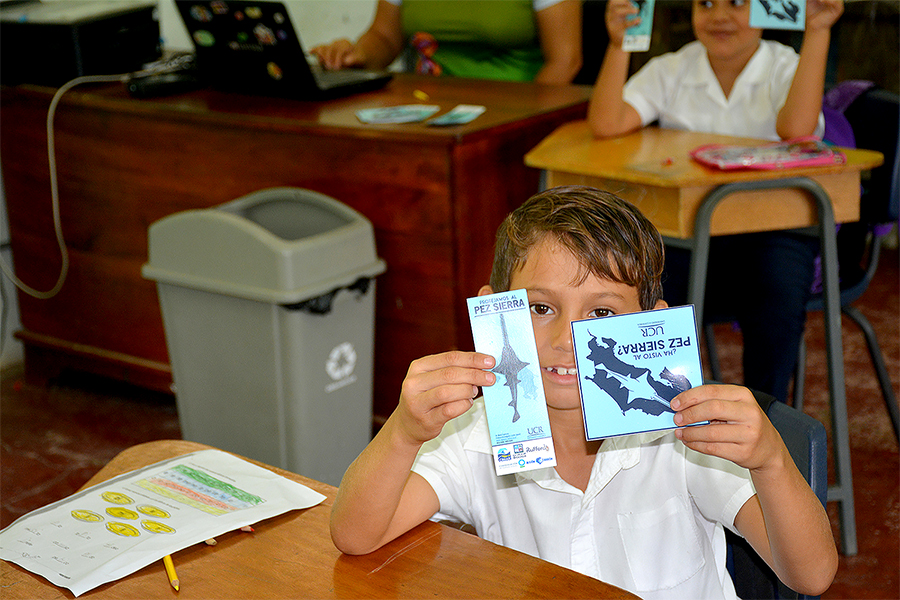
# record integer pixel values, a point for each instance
(200, 490)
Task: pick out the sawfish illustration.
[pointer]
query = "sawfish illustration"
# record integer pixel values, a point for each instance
(639, 394)
(783, 10)
(509, 366)
(630, 386)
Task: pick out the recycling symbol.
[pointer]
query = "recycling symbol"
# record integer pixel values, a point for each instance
(341, 361)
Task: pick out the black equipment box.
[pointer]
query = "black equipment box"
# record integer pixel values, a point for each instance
(49, 43)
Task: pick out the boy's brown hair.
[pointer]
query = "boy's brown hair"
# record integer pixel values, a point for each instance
(608, 236)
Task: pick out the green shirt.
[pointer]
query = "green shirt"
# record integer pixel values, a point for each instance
(493, 39)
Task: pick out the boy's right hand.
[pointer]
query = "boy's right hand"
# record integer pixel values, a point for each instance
(439, 388)
(380, 497)
(620, 15)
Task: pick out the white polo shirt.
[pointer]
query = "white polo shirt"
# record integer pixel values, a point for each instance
(681, 90)
(650, 521)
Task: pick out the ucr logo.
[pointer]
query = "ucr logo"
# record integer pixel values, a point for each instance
(652, 330)
(341, 361)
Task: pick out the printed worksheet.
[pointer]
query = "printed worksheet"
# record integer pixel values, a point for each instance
(113, 529)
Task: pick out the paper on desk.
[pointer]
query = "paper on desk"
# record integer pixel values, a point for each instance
(458, 115)
(408, 113)
(114, 528)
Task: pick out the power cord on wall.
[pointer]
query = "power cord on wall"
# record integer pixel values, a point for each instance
(4, 308)
(176, 63)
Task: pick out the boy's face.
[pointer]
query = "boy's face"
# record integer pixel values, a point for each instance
(723, 27)
(549, 275)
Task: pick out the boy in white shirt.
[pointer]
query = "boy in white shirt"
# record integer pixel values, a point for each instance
(643, 512)
(730, 81)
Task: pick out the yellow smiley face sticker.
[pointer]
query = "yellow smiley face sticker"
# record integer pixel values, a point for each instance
(154, 527)
(87, 515)
(123, 529)
(152, 511)
(121, 513)
(116, 498)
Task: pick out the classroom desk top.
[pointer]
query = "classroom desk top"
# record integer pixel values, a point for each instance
(508, 104)
(292, 556)
(652, 168)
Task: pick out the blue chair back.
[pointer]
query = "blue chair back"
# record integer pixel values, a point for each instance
(875, 118)
(806, 440)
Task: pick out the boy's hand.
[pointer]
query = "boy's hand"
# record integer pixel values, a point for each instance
(822, 14)
(619, 17)
(738, 430)
(439, 388)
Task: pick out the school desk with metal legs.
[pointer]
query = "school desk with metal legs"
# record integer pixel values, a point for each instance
(690, 203)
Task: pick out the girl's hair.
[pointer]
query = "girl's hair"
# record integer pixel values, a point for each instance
(609, 237)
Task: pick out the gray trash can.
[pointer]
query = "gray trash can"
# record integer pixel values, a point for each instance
(268, 305)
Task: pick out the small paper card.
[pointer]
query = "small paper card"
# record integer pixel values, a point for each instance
(458, 115)
(408, 113)
(515, 404)
(631, 366)
(778, 14)
(637, 37)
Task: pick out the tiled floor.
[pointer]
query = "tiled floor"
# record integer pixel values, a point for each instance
(53, 439)
(873, 572)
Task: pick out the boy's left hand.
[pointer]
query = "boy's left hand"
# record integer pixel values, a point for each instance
(738, 430)
(822, 14)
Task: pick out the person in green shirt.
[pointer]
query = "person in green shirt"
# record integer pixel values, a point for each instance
(514, 40)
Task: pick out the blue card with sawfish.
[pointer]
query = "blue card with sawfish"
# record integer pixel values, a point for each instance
(631, 366)
(515, 405)
(778, 14)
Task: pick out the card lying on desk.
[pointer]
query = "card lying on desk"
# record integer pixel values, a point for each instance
(408, 113)
(515, 405)
(631, 366)
(458, 115)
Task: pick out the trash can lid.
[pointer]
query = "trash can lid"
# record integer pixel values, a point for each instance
(279, 245)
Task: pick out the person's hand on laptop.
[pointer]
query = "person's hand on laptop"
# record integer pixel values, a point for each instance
(339, 54)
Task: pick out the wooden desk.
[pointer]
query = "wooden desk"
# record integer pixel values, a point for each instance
(689, 203)
(292, 556)
(652, 169)
(434, 195)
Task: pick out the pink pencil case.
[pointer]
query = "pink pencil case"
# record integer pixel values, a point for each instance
(786, 154)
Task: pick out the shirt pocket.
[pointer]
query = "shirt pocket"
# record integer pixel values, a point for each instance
(662, 546)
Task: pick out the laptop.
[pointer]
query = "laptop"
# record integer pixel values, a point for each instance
(251, 47)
